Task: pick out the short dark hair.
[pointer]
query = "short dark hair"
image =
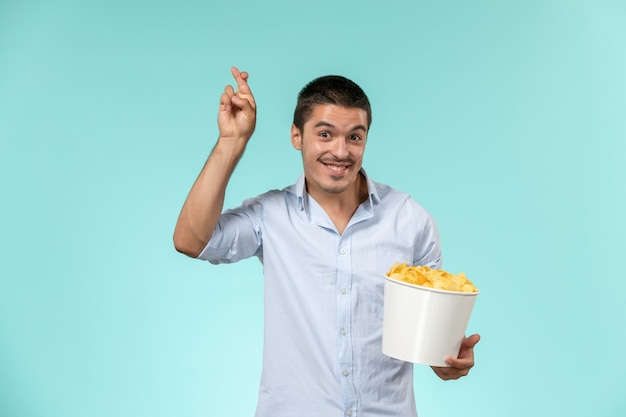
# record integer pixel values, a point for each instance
(330, 89)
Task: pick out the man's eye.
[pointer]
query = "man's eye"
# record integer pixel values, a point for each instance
(324, 134)
(355, 137)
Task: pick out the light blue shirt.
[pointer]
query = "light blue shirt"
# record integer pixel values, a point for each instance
(322, 353)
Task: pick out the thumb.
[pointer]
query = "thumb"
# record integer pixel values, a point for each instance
(472, 340)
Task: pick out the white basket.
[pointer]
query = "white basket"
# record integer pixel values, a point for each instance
(424, 325)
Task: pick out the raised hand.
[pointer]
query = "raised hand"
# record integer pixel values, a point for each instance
(237, 113)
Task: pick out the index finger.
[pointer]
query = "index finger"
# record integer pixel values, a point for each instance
(460, 363)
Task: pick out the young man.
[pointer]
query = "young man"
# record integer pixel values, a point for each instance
(325, 244)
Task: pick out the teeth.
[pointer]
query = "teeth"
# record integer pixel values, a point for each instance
(335, 168)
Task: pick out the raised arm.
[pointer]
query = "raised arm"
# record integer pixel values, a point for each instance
(203, 206)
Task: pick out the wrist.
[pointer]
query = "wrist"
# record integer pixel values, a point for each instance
(230, 148)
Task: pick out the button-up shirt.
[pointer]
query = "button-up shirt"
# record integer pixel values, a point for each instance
(323, 300)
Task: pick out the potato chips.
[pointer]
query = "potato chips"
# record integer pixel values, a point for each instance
(431, 278)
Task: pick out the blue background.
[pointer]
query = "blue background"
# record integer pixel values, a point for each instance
(505, 119)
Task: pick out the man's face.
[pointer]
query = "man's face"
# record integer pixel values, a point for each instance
(332, 144)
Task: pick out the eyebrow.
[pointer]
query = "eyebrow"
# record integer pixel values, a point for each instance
(326, 124)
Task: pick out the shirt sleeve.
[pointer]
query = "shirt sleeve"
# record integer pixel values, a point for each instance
(427, 249)
(237, 235)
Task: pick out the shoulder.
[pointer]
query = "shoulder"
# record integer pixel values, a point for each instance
(391, 196)
(267, 201)
(399, 205)
(276, 195)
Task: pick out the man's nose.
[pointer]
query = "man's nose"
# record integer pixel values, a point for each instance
(340, 148)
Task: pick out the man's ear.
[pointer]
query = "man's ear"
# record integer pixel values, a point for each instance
(296, 138)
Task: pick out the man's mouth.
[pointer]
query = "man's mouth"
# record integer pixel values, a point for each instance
(338, 169)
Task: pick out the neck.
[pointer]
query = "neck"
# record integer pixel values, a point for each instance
(341, 207)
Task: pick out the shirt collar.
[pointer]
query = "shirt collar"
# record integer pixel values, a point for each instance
(300, 189)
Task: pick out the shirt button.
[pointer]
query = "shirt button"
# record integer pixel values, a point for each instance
(346, 373)
(342, 251)
(349, 413)
(343, 290)
(343, 332)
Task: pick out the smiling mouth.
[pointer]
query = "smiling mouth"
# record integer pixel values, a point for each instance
(336, 169)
